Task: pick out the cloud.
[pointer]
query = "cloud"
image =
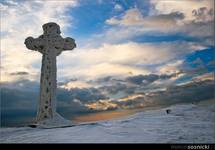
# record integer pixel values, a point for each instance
(198, 17)
(121, 59)
(147, 79)
(75, 84)
(20, 20)
(170, 67)
(19, 73)
(17, 96)
(206, 76)
(143, 79)
(133, 17)
(186, 93)
(203, 14)
(19, 100)
(118, 87)
(101, 105)
(22, 85)
(114, 88)
(202, 30)
(185, 7)
(191, 18)
(12, 91)
(86, 94)
(118, 7)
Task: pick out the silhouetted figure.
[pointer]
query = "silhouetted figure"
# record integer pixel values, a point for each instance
(168, 111)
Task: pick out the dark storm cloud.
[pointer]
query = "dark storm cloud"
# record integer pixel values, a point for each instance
(110, 85)
(194, 91)
(202, 14)
(104, 79)
(114, 88)
(22, 85)
(147, 79)
(171, 16)
(187, 93)
(201, 30)
(139, 79)
(86, 94)
(19, 73)
(23, 94)
(19, 100)
(15, 99)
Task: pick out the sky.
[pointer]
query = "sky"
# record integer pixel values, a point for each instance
(128, 54)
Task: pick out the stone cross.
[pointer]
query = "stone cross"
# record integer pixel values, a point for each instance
(50, 44)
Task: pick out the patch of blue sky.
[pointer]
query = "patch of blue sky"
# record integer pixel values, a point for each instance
(203, 57)
(90, 16)
(197, 63)
(143, 6)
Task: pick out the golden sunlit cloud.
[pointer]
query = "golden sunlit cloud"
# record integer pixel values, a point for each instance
(206, 76)
(101, 105)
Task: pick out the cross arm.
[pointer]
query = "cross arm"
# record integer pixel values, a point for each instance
(66, 44)
(69, 44)
(36, 44)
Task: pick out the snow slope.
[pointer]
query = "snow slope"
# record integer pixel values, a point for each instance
(187, 123)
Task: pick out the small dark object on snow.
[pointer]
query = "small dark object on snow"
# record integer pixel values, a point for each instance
(168, 111)
(32, 125)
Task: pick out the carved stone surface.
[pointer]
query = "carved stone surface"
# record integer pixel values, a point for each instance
(50, 44)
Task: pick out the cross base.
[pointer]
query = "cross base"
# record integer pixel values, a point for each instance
(56, 122)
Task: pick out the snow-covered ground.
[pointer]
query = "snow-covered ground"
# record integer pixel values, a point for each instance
(187, 123)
